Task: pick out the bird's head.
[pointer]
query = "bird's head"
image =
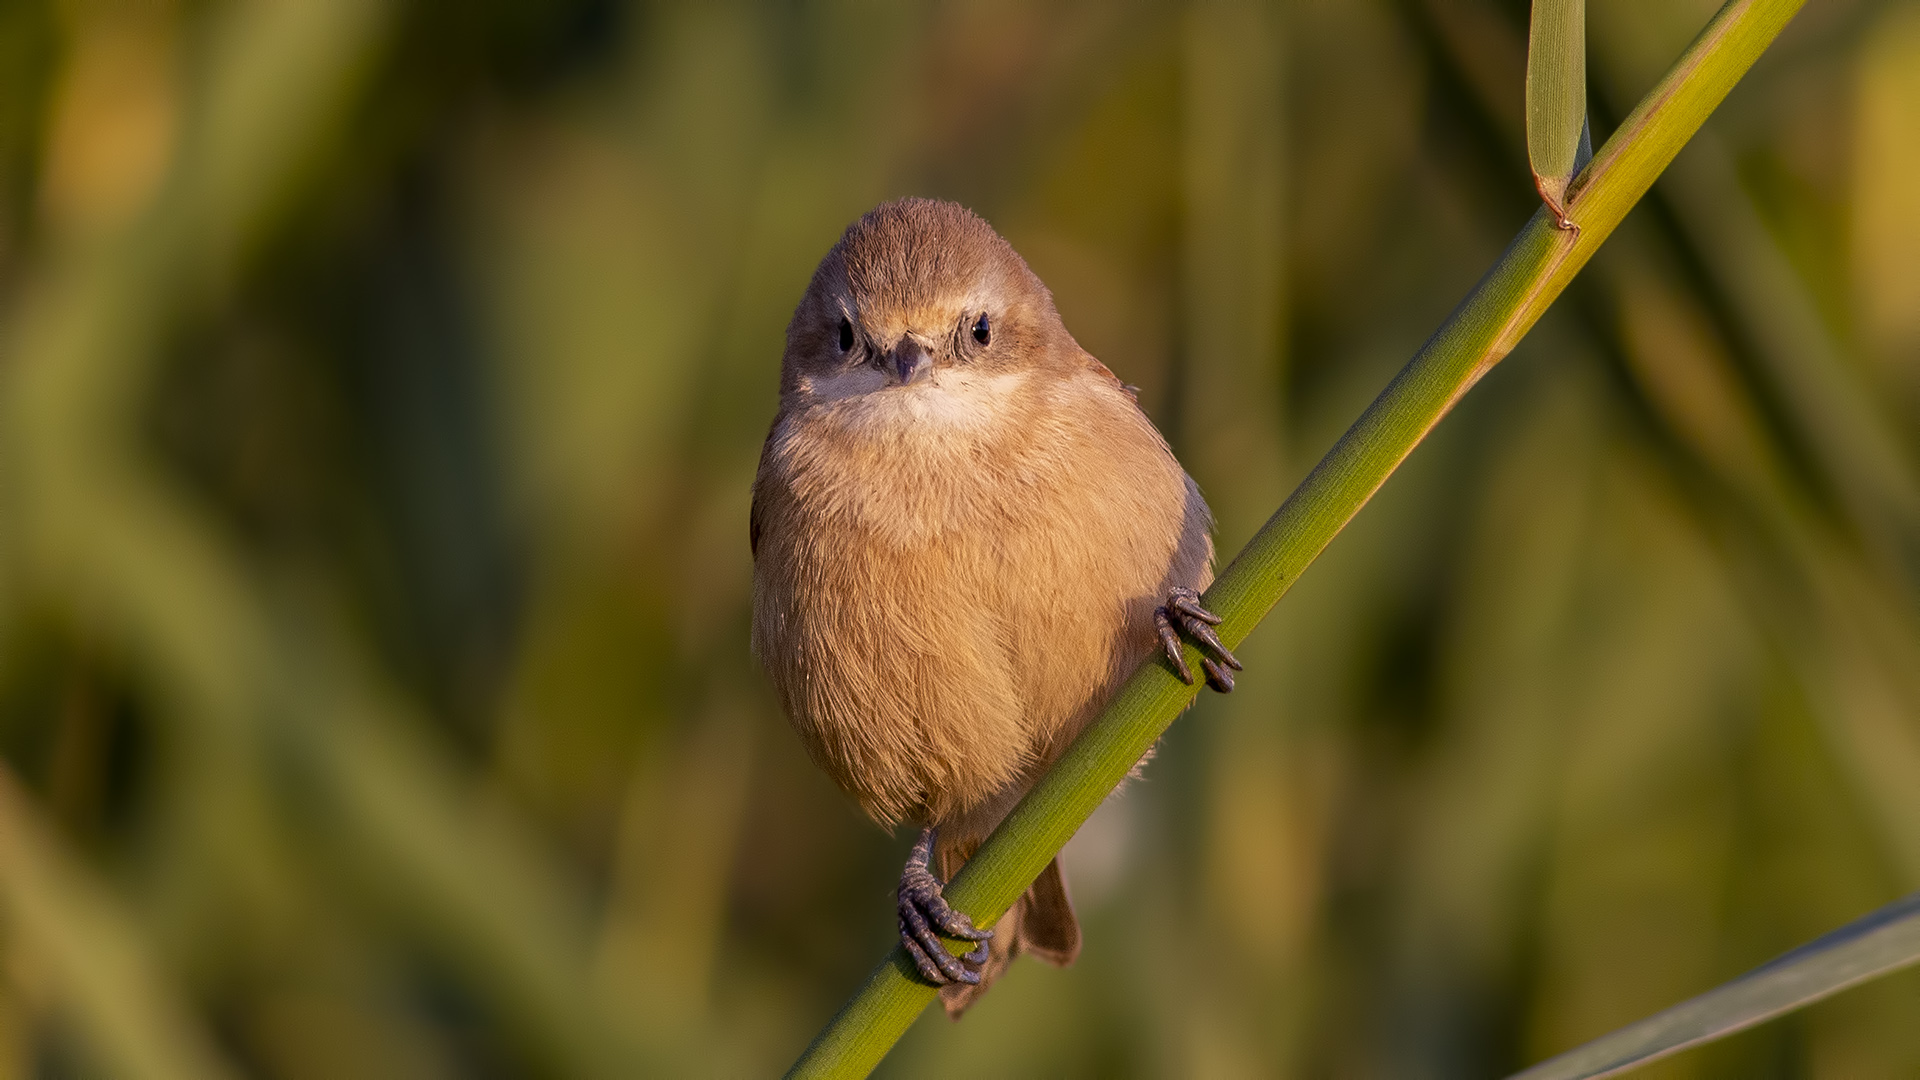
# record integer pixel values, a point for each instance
(919, 298)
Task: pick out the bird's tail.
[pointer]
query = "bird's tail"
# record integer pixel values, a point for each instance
(1041, 922)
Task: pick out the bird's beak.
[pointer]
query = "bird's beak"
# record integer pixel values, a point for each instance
(910, 361)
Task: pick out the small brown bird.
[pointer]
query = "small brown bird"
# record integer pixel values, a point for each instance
(966, 536)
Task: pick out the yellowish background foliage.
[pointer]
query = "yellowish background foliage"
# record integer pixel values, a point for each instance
(380, 386)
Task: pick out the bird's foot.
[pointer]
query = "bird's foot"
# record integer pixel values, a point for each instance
(1182, 612)
(924, 915)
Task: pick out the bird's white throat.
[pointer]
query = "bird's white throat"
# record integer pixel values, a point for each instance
(948, 401)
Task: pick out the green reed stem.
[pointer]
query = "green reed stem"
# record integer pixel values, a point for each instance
(1505, 304)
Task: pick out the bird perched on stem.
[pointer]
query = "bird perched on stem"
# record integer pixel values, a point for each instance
(966, 536)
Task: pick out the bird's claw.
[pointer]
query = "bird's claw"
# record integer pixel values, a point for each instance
(923, 911)
(1182, 613)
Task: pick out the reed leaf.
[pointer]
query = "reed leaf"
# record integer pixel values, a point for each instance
(1556, 97)
(1878, 943)
(1506, 303)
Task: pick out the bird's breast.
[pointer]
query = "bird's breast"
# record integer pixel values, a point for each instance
(949, 583)
(909, 466)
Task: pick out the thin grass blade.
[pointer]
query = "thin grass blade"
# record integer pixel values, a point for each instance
(132, 1019)
(1556, 97)
(1878, 943)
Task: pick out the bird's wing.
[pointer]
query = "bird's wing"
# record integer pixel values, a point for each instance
(759, 475)
(753, 525)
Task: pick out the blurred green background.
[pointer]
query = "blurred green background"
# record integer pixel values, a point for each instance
(380, 387)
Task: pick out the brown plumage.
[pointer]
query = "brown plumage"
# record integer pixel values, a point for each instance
(963, 526)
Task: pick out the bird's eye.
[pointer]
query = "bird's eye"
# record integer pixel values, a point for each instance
(982, 332)
(846, 334)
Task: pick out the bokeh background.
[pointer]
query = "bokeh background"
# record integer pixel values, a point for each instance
(380, 387)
